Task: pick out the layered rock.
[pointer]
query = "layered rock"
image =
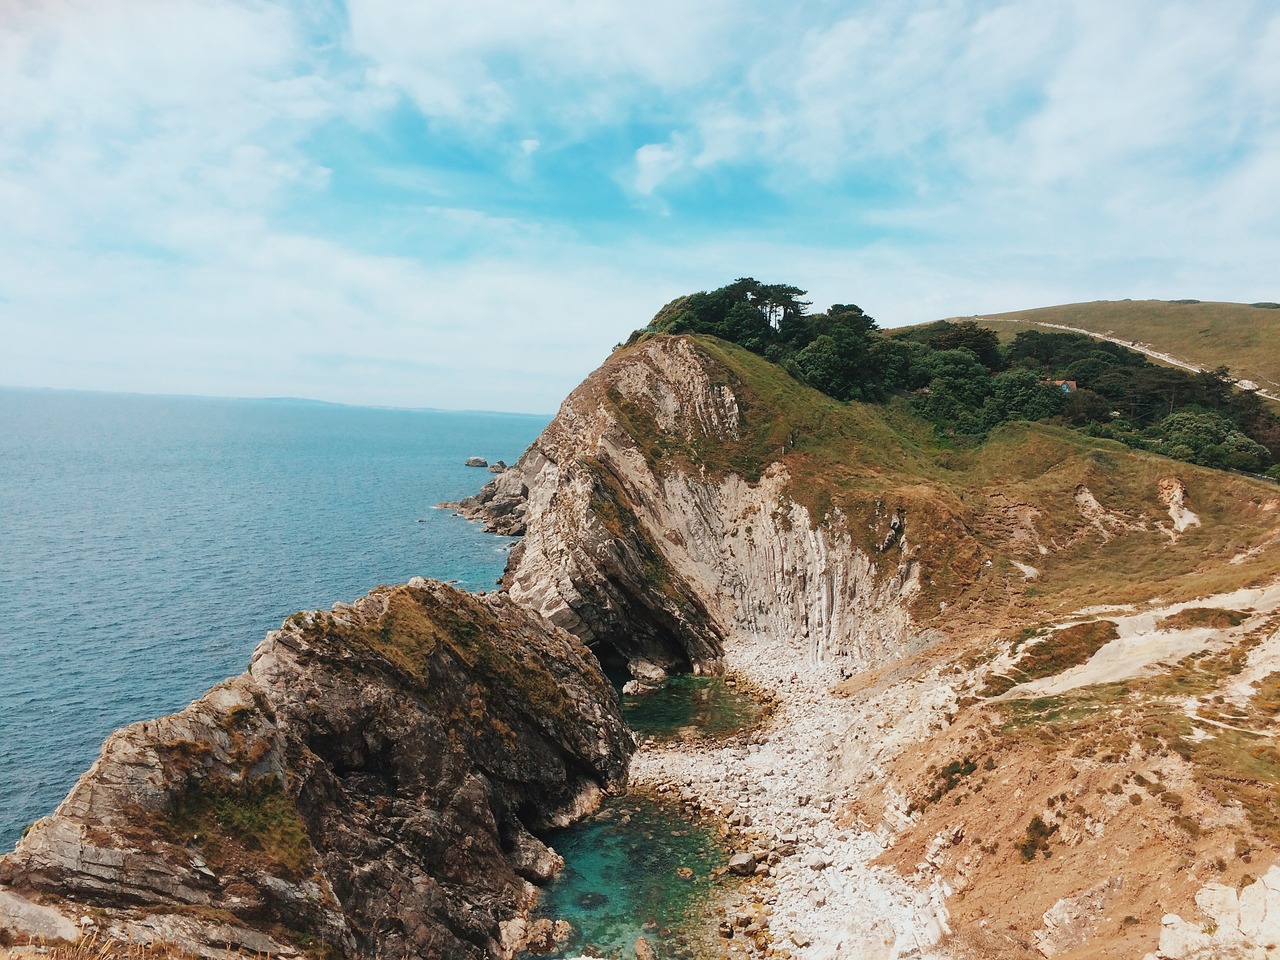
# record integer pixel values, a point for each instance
(369, 787)
(655, 525)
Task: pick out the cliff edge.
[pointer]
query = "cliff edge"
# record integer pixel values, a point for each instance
(659, 515)
(369, 787)
(1000, 665)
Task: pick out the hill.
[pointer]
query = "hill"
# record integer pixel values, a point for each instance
(1037, 669)
(1191, 334)
(1022, 683)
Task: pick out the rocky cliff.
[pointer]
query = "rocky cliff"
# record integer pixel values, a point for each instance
(949, 697)
(659, 516)
(369, 787)
(692, 507)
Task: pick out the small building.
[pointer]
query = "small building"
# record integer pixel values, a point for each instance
(1066, 386)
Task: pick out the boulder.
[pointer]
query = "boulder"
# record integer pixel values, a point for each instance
(545, 937)
(742, 864)
(477, 462)
(643, 949)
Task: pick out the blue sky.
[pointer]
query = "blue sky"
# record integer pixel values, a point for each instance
(414, 203)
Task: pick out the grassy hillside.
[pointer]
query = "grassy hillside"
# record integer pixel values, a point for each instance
(1023, 496)
(1120, 793)
(1093, 721)
(1207, 335)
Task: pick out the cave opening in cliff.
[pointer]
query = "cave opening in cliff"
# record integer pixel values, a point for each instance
(649, 666)
(613, 663)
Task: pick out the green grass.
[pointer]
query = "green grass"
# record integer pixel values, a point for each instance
(863, 462)
(244, 824)
(1209, 335)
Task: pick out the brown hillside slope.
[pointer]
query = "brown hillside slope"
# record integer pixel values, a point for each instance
(693, 507)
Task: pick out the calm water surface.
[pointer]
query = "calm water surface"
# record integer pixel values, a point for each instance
(148, 543)
(637, 868)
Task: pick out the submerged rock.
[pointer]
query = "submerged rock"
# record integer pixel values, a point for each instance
(373, 781)
(547, 937)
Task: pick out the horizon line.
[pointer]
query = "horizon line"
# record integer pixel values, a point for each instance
(259, 399)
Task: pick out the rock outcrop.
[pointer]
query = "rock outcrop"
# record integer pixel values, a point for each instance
(636, 542)
(372, 784)
(1241, 924)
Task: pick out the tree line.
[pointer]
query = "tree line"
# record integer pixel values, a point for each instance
(959, 377)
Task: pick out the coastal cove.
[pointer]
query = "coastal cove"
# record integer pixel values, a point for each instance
(809, 631)
(150, 542)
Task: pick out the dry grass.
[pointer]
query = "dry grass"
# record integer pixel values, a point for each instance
(1213, 617)
(867, 460)
(1068, 647)
(1207, 335)
(1238, 769)
(97, 947)
(1266, 702)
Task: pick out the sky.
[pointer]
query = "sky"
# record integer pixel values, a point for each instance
(466, 206)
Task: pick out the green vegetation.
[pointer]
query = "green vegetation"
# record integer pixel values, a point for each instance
(964, 382)
(1237, 335)
(246, 823)
(1037, 839)
(949, 777)
(856, 464)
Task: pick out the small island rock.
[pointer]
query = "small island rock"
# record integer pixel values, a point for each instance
(477, 462)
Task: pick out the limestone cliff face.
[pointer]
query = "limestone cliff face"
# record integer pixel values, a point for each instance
(657, 556)
(371, 783)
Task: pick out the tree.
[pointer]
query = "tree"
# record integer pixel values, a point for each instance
(1211, 440)
(1021, 395)
(822, 367)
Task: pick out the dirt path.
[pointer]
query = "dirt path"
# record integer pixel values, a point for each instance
(1132, 345)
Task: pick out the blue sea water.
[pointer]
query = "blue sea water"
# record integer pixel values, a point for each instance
(148, 543)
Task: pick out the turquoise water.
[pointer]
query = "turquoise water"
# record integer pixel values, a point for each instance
(621, 879)
(148, 543)
(689, 706)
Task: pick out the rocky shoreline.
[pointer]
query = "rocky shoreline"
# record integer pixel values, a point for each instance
(785, 800)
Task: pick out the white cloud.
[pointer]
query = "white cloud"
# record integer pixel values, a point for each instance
(120, 116)
(655, 162)
(157, 167)
(552, 62)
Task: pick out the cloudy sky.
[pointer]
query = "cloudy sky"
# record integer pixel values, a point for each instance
(466, 205)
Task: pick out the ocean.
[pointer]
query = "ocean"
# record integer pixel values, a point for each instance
(148, 543)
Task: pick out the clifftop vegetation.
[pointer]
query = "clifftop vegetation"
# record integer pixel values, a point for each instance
(1241, 336)
(960, 378)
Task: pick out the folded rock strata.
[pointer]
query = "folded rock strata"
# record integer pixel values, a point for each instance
(657, 559)
(369, 787)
